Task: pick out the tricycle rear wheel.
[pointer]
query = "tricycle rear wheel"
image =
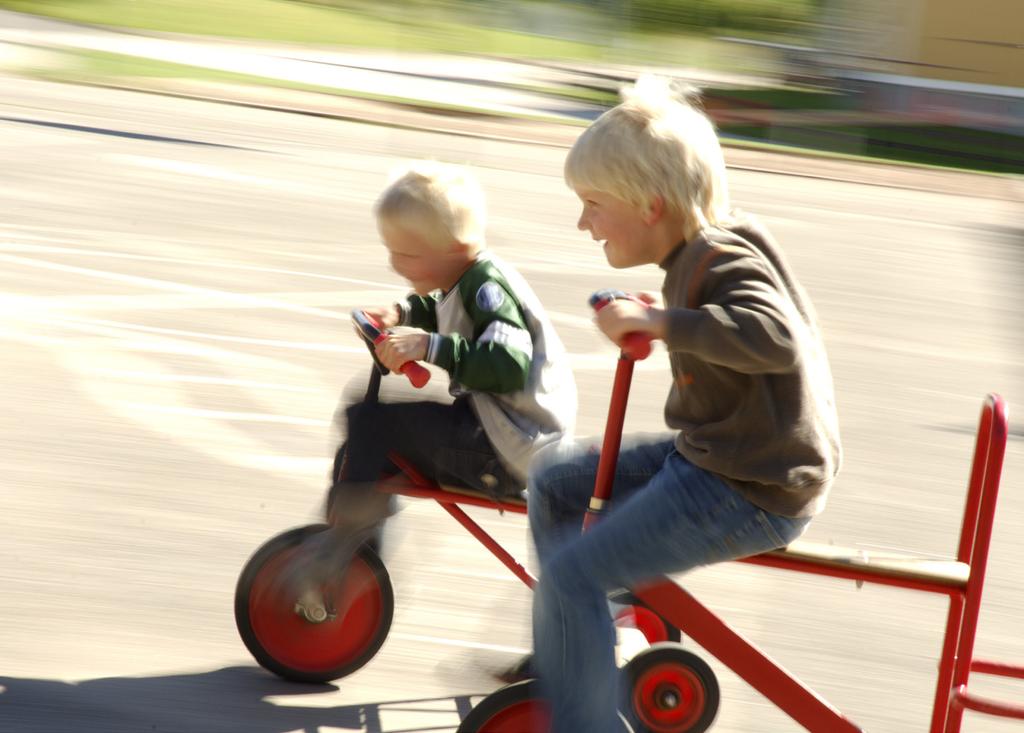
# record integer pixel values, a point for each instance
(670, 690)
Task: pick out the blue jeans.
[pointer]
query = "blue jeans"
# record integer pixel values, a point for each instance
(666, 516)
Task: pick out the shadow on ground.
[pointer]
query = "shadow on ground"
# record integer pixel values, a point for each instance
(229, 700)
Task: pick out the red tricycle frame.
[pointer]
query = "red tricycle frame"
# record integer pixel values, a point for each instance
(962, 580)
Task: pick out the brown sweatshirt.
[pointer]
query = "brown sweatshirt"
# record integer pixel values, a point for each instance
(752, 396)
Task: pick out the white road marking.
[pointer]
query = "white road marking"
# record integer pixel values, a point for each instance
(288, 465)
(464, 573)
(171, 286)
(8, 246)
(165, 408)
(225, 414)
(117, 343)
(202, 170)
(458, 642)
(197, 379)
(299, 345)
(189, 301)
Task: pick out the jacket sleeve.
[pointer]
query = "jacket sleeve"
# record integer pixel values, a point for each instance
(419, 311)
(499, 356)
(745, 322)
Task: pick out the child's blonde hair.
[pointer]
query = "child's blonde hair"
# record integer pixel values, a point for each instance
(654, 143)
(441, 202)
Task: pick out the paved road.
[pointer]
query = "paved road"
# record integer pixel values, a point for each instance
(175, 284)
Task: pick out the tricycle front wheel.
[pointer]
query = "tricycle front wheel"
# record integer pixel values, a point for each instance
(287, 644)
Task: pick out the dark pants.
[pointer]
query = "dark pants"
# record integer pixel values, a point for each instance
(444, 442)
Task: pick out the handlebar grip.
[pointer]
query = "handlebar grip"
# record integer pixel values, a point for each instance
(417, 374)
(635, 345)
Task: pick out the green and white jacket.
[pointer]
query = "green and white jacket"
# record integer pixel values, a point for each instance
(493, 337)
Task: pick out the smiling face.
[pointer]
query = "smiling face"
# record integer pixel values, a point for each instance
(624, 230)
(661, 154)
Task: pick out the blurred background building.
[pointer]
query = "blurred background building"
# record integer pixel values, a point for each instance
(978, 43)
(942, 61)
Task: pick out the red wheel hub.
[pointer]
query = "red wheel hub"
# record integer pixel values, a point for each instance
(669, 698)
(309, 647)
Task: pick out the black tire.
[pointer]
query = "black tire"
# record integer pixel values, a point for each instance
(670, 690)
(515, 708)
(295, 649)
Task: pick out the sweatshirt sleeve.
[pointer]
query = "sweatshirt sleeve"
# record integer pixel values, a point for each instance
(499, 356)
(744, 321)
(419, 311)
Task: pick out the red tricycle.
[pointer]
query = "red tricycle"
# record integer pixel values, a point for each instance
(671, 690)
(335, 640)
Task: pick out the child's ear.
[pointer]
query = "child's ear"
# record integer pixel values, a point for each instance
(464, 250)
(654, 211)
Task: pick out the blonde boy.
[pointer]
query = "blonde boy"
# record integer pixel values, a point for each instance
(475, 317)
(755, 445)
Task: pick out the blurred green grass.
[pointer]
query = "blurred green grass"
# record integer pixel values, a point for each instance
(280, 20)
(407, 27)
(114, 69)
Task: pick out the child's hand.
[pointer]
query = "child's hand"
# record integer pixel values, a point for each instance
(624, 316)
(386, 315)
(405, 345)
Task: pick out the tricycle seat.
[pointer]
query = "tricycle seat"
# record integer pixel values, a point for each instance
(873, 565)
